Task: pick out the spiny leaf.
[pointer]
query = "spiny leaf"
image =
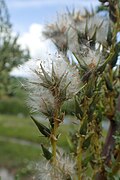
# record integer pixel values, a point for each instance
(83, 129)
(108, 84)
(78, 111)
(86, 28)
(54, 77)
(92, 107)
(62, 78)
(51, 120)
(47, 154)
(90, 87)
(63, 92)
(40, 75)
(109, 36)
(115, 55)
(83, 67)
(101, 68)
(93, 38)
(87, 160)
(86, 76)
(43, 129)
(87, 141)
(46, 85)
(47, 77)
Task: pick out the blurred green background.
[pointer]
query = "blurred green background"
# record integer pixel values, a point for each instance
(20, 141)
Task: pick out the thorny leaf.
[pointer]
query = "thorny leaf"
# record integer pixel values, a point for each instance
(87, 160)
(47, 77)
(108, 83)
(47, 154)
(87, 142)
(90, 86)
(43, 129)
(83, 129)
(78, 110)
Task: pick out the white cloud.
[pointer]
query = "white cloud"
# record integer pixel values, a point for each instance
(36, 42)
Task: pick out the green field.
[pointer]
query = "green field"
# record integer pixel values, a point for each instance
(20, 143)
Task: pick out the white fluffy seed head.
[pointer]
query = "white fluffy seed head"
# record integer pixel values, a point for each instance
(72, 75)
(90, 58)
(64, 169)
(41, 96)
(68, 28)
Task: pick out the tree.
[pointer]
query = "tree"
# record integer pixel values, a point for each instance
(11, 53)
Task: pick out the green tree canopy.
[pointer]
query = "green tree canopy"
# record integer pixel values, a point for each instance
(11, 53)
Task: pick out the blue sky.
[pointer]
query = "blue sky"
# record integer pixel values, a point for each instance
(23, 13)
(28, 18)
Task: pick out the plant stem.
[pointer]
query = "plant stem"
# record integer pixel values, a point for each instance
(109, 144)
(53, 138)
(108, 149)
(117, 165)
(110, 141)
(79, 158)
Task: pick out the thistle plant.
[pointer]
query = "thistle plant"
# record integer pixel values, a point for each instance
(92, 80)
(49, 87)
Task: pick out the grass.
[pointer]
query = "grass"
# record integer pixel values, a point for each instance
(15, 154)
(21, 128)
(24, 128)
(19, 159)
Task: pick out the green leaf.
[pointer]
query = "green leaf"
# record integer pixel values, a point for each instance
(70, 143)
(90, 86)
(86, 76)
(54, 76)
(108, 84)
(109, 36)
(63, 93)
(46, 76)
(84, 67)
(87, 160)
(78, 110)
(43, 129)
(87, 141)
(92, 107)
(47, 154)
(83, 129)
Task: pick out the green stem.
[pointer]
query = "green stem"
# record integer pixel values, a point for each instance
(79, 158)
(54, 137)
(109, 146)
(117, 165)
(81, 138)
(108, 149)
